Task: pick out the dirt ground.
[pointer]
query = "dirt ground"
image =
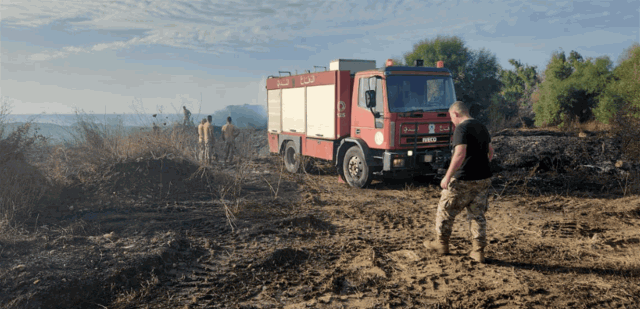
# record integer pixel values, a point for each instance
(307, 241)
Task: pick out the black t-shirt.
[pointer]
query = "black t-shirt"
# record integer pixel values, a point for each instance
(475, 135)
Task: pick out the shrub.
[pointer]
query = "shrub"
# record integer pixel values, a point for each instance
(22, 184)
(572, 89)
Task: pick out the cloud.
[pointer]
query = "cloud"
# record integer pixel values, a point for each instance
(206, 26)
(305, 47)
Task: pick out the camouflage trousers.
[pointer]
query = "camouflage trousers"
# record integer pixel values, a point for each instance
(470, 194)
(201, 151)
(208, 151)
(229, 150)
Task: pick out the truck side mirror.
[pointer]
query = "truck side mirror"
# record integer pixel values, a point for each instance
(370, 98)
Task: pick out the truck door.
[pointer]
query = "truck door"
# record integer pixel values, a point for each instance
(365, 124)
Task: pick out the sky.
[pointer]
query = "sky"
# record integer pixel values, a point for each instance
(131, 56)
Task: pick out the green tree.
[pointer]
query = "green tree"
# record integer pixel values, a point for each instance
(573, 88)
(518, 83)
(624, 91)
(450, 49)
(475, 73)
(481, 82)
(628, 53)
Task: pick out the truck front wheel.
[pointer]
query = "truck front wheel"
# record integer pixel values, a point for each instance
(356, 171)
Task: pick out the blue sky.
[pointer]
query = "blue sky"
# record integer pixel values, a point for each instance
(129, 56)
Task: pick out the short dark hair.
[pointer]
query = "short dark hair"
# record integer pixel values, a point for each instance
(229, 119)
(460, 107)
(209, 118)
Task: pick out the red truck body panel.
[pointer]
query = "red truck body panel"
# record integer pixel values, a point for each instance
(318, 148)
(273, 142)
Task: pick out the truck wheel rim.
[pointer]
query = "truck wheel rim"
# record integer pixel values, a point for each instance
(355, 167)
(290, 156)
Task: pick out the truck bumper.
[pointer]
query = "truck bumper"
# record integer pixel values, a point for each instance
(420, 162)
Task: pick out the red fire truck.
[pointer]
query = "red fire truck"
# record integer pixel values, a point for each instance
(370, 122)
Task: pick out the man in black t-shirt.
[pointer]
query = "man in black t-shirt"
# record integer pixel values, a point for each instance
(466, 184)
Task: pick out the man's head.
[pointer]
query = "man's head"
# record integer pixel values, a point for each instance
(229, 119)
(459, 112)
(184, 107)
(209, 118)
(204, 120)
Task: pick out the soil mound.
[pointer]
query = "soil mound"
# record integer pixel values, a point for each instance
(149, 176)
(285, 257)
(141, 179)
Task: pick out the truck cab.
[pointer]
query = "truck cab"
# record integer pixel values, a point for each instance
(401, 114)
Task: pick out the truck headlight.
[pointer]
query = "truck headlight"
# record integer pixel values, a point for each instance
(398, 162)
(410, 153)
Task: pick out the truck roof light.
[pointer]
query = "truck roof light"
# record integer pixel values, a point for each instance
(389, 62)
(440, 64)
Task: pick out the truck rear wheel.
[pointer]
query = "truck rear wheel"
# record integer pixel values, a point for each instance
(291, 157)
(356, 171)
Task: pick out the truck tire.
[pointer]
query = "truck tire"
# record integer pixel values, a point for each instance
(355, 169)
(291, 157)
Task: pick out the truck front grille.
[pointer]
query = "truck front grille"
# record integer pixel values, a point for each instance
(424, 140)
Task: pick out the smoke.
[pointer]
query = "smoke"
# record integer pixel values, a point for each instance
(251, 116)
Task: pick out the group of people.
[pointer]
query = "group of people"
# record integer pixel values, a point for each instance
(207, 139)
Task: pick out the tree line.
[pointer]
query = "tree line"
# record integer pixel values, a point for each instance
(572, 89)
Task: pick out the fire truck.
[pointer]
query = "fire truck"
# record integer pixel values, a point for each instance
(370, 122)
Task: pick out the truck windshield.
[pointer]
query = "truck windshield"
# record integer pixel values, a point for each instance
(408, 93)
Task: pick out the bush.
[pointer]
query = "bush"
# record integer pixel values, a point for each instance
(22, 184)
(624, 90)
(572, 89)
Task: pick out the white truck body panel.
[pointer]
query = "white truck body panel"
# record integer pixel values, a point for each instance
(274, 105)
(293, 110)
(352, 65)
(321, 107)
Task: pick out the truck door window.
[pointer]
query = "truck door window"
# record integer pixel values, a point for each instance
(366, 85)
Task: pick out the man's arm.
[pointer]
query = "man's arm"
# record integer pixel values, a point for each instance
(459, 153)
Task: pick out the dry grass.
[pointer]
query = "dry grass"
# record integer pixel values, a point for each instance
(95, 146)
(22, 184)
(35, 171)
(594, 126)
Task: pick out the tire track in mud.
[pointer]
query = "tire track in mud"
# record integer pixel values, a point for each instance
(365, 250)
(555, 223)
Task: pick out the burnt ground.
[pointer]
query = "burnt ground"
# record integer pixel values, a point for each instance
(562, 235)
